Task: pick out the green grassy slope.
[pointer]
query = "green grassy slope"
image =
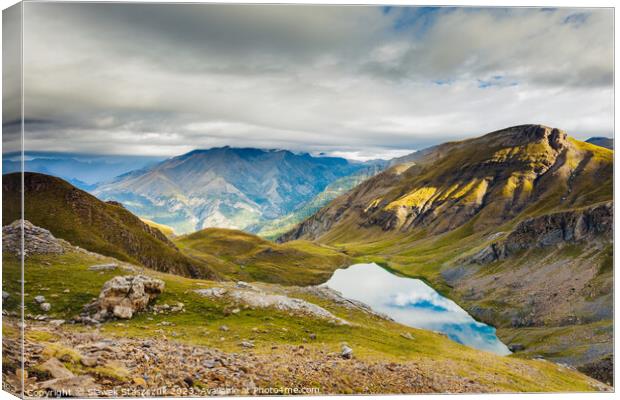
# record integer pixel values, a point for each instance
(106, 228)
(242, 256)
(68, 283)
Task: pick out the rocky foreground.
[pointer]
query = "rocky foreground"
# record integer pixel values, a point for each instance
(91, 364)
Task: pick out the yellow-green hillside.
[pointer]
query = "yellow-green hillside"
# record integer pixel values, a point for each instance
(241, 256)
(165, 229)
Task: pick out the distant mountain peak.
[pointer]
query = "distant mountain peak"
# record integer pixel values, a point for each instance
(227, 187)
(606, 142)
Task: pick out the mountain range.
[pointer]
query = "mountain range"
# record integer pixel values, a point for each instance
(241, 188)
(82, 170)
(515, 225)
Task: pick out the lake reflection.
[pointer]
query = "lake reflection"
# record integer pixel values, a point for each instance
(412, 302)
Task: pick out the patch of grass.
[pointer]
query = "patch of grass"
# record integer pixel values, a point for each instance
(62, 353)
(607, 262)
(40, 336)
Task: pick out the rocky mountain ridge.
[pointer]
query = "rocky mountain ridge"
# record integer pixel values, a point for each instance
(493, 178)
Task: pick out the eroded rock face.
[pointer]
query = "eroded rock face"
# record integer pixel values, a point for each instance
(123, 296)
(602, 369)
(550, 230)
(36, 240)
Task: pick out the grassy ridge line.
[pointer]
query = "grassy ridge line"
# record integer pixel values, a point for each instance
(241, 256)
(500, 178)
(372, 338)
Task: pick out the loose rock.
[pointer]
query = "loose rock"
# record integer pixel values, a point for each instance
(88, 361)
(56, 369)
(347, 352)
(77, 386)
(516, 347)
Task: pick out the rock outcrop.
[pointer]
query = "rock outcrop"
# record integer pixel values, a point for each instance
(36, 240)
(550, 230)
(250, 296)
(602, 369)
(123, 296)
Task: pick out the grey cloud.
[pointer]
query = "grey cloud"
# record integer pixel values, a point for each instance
(164, 79)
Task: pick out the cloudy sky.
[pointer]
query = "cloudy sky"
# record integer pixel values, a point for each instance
(162, 79)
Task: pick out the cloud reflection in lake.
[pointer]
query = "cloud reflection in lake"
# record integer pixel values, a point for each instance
(412, 302)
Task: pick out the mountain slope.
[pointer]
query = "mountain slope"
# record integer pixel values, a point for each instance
(515, 226)
(388, 357)
(608, 143)
(225, 187)
(106, 228)
(521, 170)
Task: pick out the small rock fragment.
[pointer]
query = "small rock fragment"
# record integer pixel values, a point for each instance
(56, 369)
(123, 312)
(516, 347)
(347, 352)
(89, 361)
